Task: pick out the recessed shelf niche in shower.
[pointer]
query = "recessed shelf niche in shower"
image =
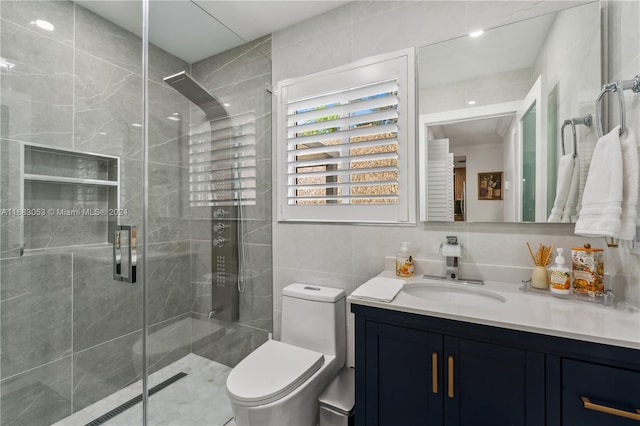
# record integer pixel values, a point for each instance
(72, 194)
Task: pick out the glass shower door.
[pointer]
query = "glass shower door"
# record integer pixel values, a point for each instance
(71, 174)
(209, 237)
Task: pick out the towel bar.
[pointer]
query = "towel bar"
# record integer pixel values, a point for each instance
(582, 120)
(619, 87)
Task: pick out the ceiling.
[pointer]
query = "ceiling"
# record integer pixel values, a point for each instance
(507, 48)
(484, 131)
(197, 29)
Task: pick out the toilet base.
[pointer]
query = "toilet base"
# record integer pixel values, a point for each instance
(299, 408)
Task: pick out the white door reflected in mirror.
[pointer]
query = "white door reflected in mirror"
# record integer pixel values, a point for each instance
(479, 140)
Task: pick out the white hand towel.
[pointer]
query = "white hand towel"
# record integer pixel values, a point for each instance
(602, 197)
(378, 289)
(629, 147)
(570, 212)
(565, 174)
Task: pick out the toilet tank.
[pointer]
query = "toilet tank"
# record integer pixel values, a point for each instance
(314, 317)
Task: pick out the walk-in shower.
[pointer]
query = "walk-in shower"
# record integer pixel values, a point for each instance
(72, 174)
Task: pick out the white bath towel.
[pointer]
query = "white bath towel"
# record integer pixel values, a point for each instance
(566, 167)
(378, 289)
(602, 197)
(570, 211)
(629, 147)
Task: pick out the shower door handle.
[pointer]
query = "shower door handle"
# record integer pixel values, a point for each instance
(125, 233)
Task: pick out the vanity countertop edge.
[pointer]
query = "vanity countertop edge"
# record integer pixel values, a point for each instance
(535, 312)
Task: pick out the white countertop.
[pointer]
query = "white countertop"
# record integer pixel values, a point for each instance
(532, 311)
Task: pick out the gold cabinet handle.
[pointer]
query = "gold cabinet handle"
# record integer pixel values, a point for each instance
(450, 368)
(434, 372)
(609, 410)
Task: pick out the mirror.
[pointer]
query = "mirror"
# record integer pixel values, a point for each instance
(491, 113)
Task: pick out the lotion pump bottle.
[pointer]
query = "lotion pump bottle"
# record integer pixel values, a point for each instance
(560, 276)
(404, 261)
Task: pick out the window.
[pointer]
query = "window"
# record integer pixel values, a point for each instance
(346, 149)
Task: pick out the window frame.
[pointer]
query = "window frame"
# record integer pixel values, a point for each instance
(399, 65)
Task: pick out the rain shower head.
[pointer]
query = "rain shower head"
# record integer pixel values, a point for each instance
(192, 90)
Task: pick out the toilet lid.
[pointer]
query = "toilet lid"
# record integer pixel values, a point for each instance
(271, 371)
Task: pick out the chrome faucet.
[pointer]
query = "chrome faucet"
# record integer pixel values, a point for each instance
(452, 252)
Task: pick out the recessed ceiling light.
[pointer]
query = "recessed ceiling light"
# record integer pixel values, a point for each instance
(136, 125)
(471, 102)
(173, 118)
(226, 104)
(45, 25)
(103, 133)
(476, 33)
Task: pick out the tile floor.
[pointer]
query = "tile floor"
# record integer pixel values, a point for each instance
(198, 399)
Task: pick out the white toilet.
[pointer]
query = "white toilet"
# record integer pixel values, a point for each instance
(279, 383)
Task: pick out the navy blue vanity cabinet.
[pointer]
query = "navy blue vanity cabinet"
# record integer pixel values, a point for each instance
(594, 394)
(417, 370)
(491, 384)
(404, 376)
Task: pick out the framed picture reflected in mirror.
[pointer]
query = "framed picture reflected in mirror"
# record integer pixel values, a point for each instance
(490, 186)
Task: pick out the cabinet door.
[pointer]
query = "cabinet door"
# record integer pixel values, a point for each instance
(403, 376)
(487, 384)
(612, 395)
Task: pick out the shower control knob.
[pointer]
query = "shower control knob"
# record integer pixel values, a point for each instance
(219, 214)
(219, 227)
(218, 241)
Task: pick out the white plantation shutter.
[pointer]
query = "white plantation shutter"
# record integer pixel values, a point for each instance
(346, 143)
(222, 162)
(439, 181)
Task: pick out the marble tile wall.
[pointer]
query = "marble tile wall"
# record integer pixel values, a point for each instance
(46, 390)
(51, 231)
(69, 333)
(35, 304)
(39, 89)
(345, 256)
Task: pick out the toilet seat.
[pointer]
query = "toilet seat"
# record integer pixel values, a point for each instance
(271, 372)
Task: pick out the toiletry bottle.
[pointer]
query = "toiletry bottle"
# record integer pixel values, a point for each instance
(560, 276)
(404, 261)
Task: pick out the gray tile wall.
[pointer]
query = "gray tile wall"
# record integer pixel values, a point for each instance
(35, 306)
(39, 89)
(69, 333)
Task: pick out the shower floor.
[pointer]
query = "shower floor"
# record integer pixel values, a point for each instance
(198, 399)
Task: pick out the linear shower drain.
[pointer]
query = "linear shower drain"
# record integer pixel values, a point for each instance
(136, 400)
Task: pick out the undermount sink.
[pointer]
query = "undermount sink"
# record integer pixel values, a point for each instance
(452, 293)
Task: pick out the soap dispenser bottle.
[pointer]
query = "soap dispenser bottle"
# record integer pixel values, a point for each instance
(404, 261)
(560, 282)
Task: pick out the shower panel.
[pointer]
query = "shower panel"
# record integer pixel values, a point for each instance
(226, 265)
(205, 177)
